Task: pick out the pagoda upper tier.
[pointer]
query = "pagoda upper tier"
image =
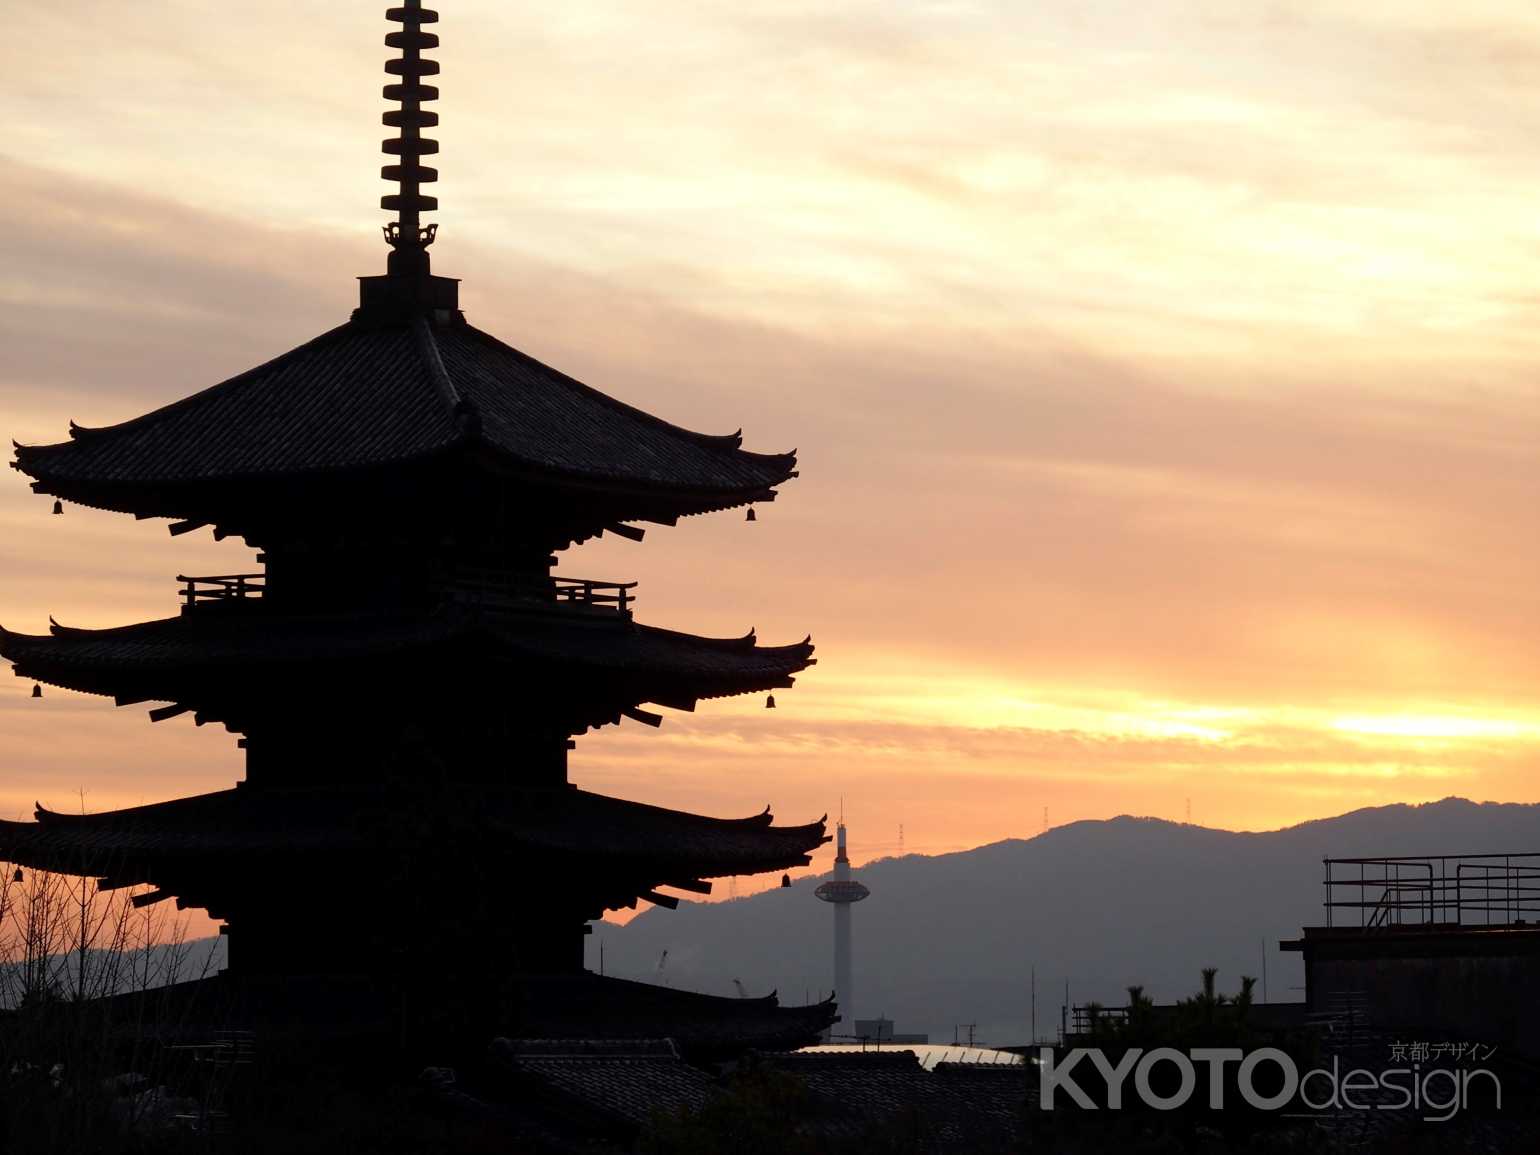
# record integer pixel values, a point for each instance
(404, 423)
(546, 668)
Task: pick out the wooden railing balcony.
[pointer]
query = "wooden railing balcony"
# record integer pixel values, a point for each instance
(220, 588)
(603, 595)
(499, 588)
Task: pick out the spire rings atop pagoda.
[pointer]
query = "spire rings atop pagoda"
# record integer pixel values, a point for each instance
(407, 236)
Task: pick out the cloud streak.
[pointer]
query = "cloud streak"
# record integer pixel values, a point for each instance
(1162, 372)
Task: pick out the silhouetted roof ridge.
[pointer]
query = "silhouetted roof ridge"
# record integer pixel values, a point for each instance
(580, 1048)
(701, 1025)
(369, 396)
(434, 362)
(732, 440)
(888, 1055)
(85, 432)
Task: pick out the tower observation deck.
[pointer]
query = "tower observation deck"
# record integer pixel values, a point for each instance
(841, 892)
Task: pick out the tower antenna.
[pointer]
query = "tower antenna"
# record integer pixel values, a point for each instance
(1034, 1004)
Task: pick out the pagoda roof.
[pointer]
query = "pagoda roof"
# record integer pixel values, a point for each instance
(367, 396)
(624, 1083)
(189, 657)
(704, 1026)
(554, 1012)
(185, 845)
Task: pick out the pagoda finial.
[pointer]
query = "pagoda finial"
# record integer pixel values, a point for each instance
(407, 236)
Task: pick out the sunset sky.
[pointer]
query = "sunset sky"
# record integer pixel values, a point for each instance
(1165, 376)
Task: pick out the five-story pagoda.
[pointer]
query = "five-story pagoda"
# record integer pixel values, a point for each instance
(406, 672)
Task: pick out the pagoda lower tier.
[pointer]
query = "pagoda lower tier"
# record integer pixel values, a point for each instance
(373, 1021)
(485, 880)
(459, 692)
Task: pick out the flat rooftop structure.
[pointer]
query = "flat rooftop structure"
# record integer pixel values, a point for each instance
(1445, 945)
(1452, 890)
(1433, 939)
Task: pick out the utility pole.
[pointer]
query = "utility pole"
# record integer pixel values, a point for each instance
(1034, 1003)
(1264, 970)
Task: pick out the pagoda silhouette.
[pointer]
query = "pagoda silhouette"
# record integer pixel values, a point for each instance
(407, 673)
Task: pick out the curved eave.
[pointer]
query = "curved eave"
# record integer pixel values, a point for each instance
(197, 497)
(177, 497)
(680, 500)
(728, 443)
(705, 1027)
(639, 846)
(645, 663)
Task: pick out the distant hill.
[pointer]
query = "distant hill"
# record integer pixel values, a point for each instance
(952, 939)
(137, 969)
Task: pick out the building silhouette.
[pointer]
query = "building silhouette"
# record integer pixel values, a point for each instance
(406, 672)
(1434, 946)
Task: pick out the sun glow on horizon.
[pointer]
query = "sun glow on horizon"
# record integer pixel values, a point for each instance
(1434, 726)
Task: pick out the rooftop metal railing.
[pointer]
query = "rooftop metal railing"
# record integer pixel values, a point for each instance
(1434, 890)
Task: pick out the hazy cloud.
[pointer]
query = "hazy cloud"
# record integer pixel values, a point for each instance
(1152, 362)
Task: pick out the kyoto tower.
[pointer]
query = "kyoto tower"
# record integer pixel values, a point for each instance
(842, 890)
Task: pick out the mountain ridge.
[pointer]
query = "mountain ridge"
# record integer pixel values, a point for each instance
(1100, 903)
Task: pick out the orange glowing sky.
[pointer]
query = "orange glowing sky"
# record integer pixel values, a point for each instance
(1164, 374)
